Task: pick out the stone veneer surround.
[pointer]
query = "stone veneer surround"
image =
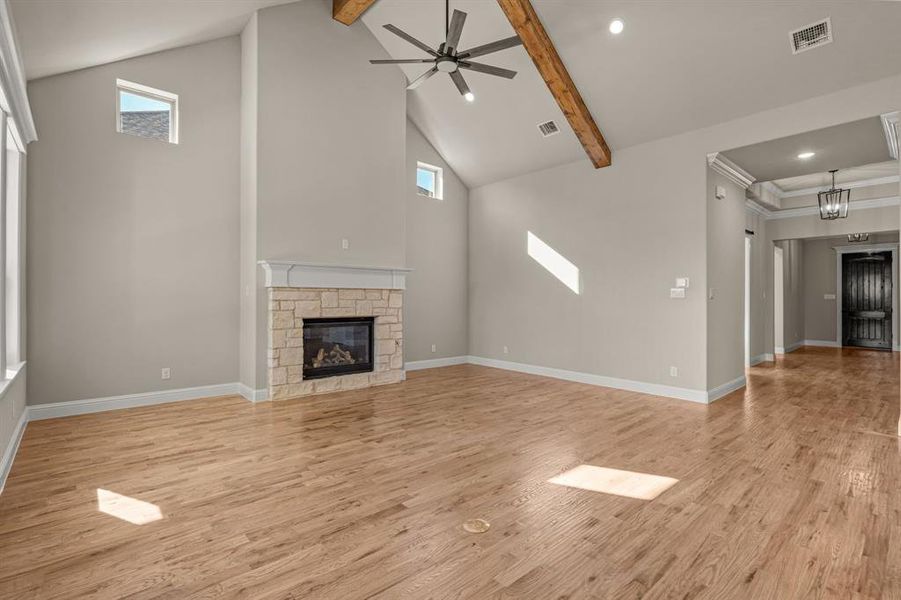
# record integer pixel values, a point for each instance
(289, 306)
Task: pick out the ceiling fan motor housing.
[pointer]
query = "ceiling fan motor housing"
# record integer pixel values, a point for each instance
(446, 64)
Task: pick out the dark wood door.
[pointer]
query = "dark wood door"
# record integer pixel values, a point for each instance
(867, 300)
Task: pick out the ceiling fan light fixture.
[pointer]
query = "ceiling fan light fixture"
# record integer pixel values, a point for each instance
(470, 97)
(617, 26)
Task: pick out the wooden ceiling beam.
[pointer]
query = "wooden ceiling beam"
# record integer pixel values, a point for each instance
(348, 11)
(538, 44)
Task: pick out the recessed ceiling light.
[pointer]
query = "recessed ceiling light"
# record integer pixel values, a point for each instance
(470, 97)
(617, 26)
(806, 155)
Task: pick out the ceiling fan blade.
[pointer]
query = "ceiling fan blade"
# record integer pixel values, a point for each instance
(402, 61)
(406, 36)
(454, 31)
(460, 82)
(497, 46)
(421, 79)
(487, 69)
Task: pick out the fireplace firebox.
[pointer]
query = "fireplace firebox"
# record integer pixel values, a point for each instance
(337, 346)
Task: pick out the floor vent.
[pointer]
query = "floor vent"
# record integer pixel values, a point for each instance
(548, 129)
(811, 36)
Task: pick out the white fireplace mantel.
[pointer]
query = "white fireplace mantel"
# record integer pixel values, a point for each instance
(281, 273)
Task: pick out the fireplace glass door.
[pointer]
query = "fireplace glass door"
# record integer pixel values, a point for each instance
(337, 346)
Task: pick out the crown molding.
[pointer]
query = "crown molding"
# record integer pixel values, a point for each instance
(14, 94)
(890, 126)
(790, 213)
(860, 183)
(729, 170)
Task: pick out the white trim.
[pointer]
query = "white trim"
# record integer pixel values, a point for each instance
(753, 207)
(890, 127)
(654, 389)
(729, 170)
(805, 211)
(9, 454)
(769, 357)
(726, 389)
(822, 343)
(789, 349)
(434, 363)
(282, 273)
(854, 249)
(82, 407)
(850, 185)
(756, 360)
(13, 80)
(261, 395)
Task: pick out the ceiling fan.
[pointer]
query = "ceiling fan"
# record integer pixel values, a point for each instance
(448, 59)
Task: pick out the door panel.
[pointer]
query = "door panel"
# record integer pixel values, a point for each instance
(867, 300)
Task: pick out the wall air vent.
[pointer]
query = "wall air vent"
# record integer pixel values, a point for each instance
(811, 36)
(548, 129)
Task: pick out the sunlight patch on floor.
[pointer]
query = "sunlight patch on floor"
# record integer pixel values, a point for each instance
(126, 508)
(640, 486)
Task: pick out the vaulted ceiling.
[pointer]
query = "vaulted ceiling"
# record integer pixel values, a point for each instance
(677, 66)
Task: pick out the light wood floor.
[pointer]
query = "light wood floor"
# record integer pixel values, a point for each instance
(791, 490)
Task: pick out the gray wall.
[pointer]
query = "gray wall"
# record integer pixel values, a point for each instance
(436, 302)
(631, 228)
(761, 258)
(819, 280)
(793, 293)
(133, 243)
(331, 141)
(726, 234)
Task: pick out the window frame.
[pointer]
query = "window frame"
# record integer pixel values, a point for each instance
(439, 180)
(145, 91)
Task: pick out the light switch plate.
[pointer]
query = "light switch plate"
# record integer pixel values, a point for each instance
(720, 192)
(677, 292)
(828, 296)
(682, 282)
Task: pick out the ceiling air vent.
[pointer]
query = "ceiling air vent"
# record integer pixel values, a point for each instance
(548, 129)
(811, 36)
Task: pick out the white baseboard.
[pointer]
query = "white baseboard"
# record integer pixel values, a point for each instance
(253, 395)
(726, 389)
(765, 357)
(822, 343)
(789, 349)
(599, 380)
(435, 363)
(93, 405)
(9, 454)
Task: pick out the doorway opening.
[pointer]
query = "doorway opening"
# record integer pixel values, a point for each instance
(747, 301)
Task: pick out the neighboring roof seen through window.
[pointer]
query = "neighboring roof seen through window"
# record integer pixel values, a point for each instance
(146, 112)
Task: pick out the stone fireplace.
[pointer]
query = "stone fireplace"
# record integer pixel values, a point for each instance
(333, 328)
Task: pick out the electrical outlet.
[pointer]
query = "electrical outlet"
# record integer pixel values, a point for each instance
(345, 244)
(674, 371)
(165, 373)
(434, 348)
(506, 350)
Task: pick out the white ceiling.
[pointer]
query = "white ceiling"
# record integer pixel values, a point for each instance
(847, 145)
(863, 173)
(677, 66)
(63, 35)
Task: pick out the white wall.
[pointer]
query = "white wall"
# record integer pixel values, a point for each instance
(436, 300)
(133, 243)
(631, 228)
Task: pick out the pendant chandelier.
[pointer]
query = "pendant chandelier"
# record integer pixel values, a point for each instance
(834, 202)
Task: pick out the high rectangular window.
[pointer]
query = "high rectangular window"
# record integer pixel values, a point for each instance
(146, 112)
(429, 181)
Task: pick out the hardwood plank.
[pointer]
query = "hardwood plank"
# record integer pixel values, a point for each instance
(348, 11)
(787, 489)
(544, 54)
